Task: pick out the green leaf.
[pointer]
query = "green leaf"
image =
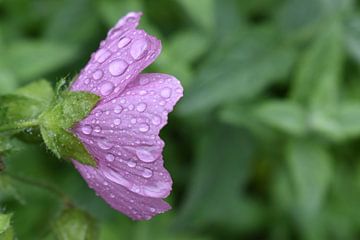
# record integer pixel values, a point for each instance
(287, 116)
(318, 74)
(31, 59)
(340, 124)
(74, 224)
(70, 109)
(221, 172)
(310, 169)
(5, 220)
(202, 12)
(6, 231)
(26, 103)
(55, 124)
(65, 144)
(240, 71)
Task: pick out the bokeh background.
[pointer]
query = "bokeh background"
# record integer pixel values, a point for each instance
(264, 145)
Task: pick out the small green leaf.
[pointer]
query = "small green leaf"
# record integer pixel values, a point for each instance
(70, 109)
(74, 224)
(55, 124)
(289, 117)
(66, 145)
(4, 222)
(6, 231)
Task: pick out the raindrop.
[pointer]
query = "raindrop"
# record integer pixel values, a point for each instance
(156, 120)
(147, 173)
(118, 109)
(165, 92)
(131, 107)
(112, 195)
(145, 155)
(106, 88)
(109, 157)
(133, 120)
(131, 164)
(141, 107)
(123, 42)
(118, 67)
(142, 92)
(87, 129)
(98, 74)
(105, 145)
(152, 210)
(117, 121)
(144, 127)
(102, 55)
(138, 48)
(97, 129)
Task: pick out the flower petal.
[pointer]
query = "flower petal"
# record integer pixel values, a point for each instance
(122, 135)
(120, 198)
(124, 53)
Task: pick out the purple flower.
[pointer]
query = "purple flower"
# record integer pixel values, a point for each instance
(122, 132)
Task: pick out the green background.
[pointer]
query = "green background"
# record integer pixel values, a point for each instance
(264, 145)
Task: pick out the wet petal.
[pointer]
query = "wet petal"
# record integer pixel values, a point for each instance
(122, 135)
(124, 53)
(120, 198)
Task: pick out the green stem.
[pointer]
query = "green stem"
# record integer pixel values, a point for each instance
(36, 183)
(19, 125)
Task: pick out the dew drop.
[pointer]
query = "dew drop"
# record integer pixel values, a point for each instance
(106, 88)
(152, 210)
(112, 195)
(98, 74)
(138, 48)
(87, 129)
(109, 157)
(105, 145)
(144, 81)
(123, 42)
(156, 120)
(106, 183)
(147, 173)
(131, 107)
(118, 109)
(143, 92)
(118, 67)
(145, 156)
(141, 107)
(133, 120)
(117, 121)
(131, 164)
(102, 55)
(165, 92)
(144, 127)
(97, 129)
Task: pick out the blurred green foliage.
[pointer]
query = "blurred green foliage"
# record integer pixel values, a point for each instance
(265, 143)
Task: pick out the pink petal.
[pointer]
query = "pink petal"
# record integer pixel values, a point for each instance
(124, 53)
(122, 135)
(120, 198)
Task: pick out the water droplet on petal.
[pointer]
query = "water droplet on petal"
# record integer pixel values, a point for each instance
(143, 92)
(106, 88)
(106, 183)
(117, 121)
(133, 120)
(109, 157)
(102, 55)
(105, 145)
(131, 107)
(112, 195)
(141, 107)
(152, 210)
(165, 92)
(156, 120)
(118, 109)
(144, 127)
(118, 67)
(138, 48)
(87, 129)
(145, 155)
(147, 173)
(123, 42)
(144, 81)
(97, 129)
(98, 74)
(131, 164)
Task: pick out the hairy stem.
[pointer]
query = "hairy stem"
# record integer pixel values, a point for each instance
(43, 185)
(19, 125)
